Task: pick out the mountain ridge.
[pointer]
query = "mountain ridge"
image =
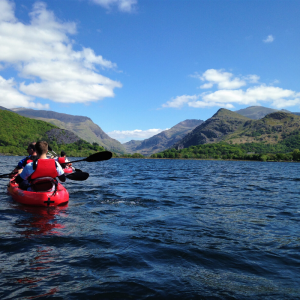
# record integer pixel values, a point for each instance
(162, 140)
(82, 126)
(230, 127)
(213, 129)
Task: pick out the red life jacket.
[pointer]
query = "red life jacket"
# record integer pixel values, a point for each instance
(29, 159)
(44, 168)
(62, 160)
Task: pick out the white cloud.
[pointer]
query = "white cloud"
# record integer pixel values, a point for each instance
(223, 80)
(137, 134)
(180, 101)
(269, 39)
(204, 104)
(255, 95)
(252, 78)
(123, 5)
(7, 11)
(252, 96)
(10, 97)
(42, 52)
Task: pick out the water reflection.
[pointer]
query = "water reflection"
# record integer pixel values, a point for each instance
(39, 264)
(41, 221)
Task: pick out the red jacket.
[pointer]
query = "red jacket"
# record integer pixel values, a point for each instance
(44, 168)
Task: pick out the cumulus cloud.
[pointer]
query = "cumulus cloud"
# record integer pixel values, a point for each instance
(224, 97)
(180, 101)
(123, 5)
(42, 52)
(223, 80)
(269, 39)
(137, 134)
(10, 97)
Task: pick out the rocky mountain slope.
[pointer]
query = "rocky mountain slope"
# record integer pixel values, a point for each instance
(233, 128)
(163, 140)
(255, 112)
(271, 129)
(82, 126)
(214, 129)
(258, 112)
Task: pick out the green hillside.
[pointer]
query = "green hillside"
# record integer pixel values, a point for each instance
(275, 137)
(16, 132)
(214, 129)
(82, 126)
(273, 128)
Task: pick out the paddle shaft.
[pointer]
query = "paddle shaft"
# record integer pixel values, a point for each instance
(5, 175)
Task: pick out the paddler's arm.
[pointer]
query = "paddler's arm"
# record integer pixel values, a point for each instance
(62, 178)
(61, 174)
(19, 179)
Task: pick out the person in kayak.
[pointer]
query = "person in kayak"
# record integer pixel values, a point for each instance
(32, 155)
(63, 160)
(41, 167)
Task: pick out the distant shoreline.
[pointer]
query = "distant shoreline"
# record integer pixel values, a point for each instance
(165, 158)
(208, 159)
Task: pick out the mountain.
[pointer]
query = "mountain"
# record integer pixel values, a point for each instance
(163, 140)
(230, 127)
(273, 128)
(3, 108)
(258, 112)
(255, 112)
(16, 132)
(214, 129)
(82, 126)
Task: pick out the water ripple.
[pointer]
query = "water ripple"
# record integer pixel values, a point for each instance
(158, 229)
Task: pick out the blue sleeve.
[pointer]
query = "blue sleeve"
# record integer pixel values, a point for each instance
(21, 162)
(27, 171)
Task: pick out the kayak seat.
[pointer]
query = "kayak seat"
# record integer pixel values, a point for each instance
(43, 184)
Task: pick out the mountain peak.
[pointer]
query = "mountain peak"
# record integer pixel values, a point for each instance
(223, 112)
(279, 115)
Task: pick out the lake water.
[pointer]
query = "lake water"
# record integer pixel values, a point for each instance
(158, 229)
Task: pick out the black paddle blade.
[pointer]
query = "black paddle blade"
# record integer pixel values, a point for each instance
(4, 176)
(78, 176)
(7, 175)
(99, 156)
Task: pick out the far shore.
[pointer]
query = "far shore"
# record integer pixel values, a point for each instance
(214, 159)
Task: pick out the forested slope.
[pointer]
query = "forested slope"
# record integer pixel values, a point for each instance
(16, 132)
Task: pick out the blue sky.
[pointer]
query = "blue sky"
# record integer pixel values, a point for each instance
(136, 67)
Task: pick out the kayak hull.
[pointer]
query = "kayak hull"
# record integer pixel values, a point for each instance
(68, 170)
(38, 198)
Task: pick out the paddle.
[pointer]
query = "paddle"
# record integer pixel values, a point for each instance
(6, 175)
(51, 150)
(99, 156)
(79, 176)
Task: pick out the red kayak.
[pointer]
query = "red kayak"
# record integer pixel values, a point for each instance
(68, 170)
(38, 198)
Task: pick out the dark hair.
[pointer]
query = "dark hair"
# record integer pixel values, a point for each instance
(63, 153)
(31, 146)
(41, 147)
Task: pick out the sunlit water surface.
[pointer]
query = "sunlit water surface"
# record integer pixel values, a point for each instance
(157, 229)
